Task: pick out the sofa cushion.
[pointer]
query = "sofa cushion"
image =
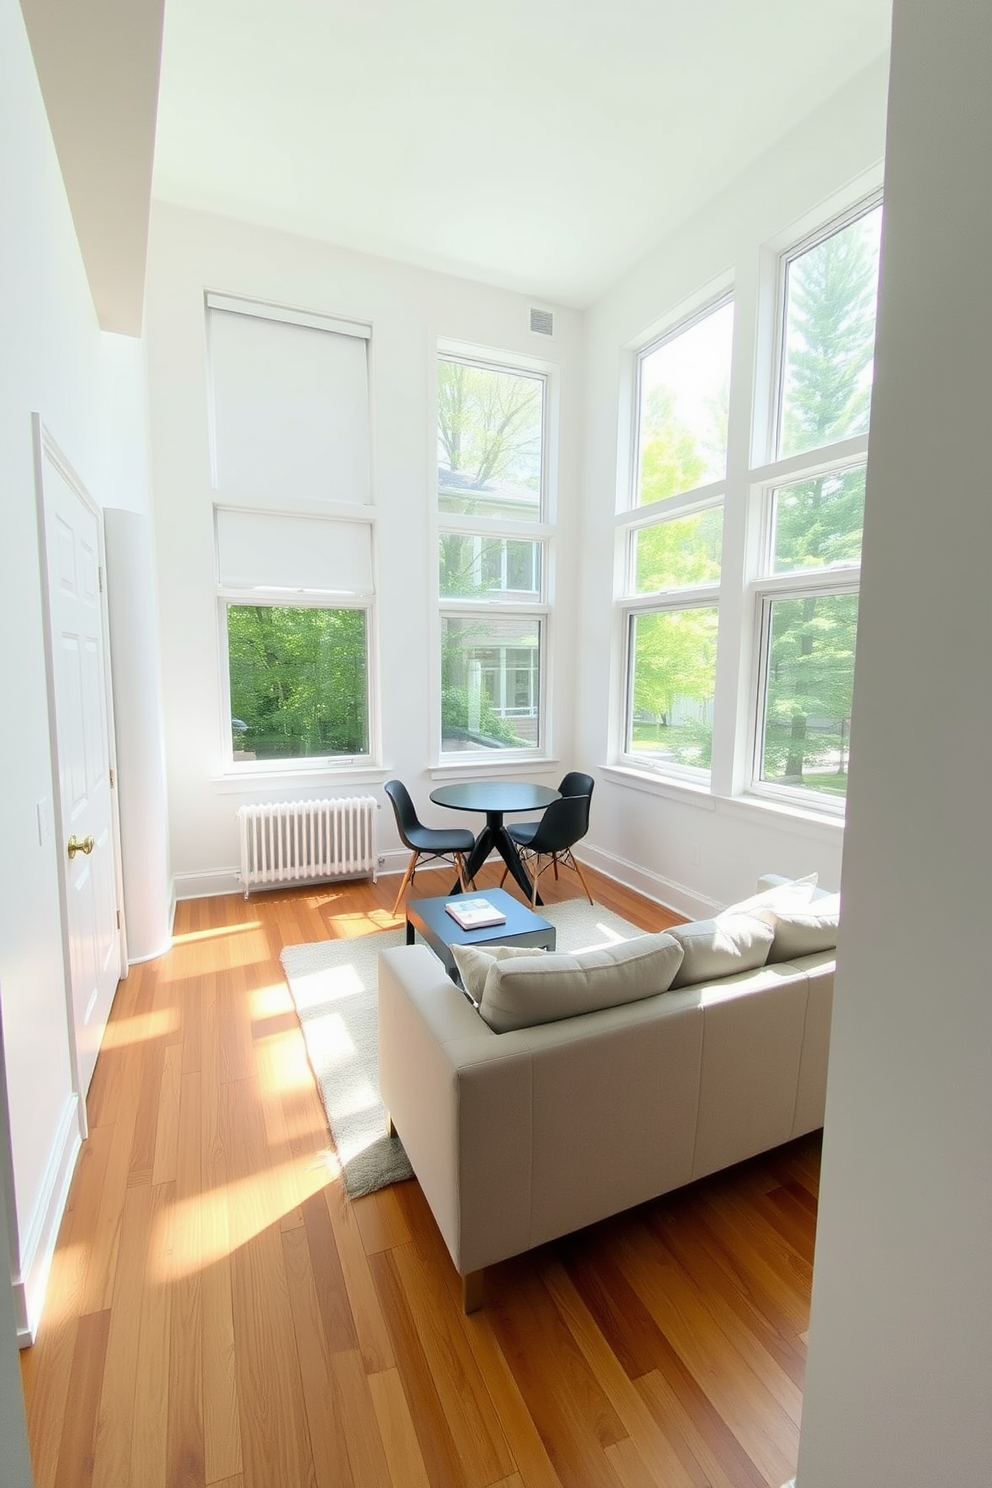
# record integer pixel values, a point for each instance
(721, 947)
(473, 963)
(800, 932)
(524, 991)
(784, 897)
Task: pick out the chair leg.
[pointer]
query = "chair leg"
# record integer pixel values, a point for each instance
(582, 877)
(408, 875)
(460, 865)
(503, 879)
(535, 875)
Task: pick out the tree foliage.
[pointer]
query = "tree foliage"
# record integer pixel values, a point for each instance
(298, 681)
(489, 424)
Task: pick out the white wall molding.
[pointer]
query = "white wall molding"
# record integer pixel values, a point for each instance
(665, 891)
(31, 1268)
(207, 884)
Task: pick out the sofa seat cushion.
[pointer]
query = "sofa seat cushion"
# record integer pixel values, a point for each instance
(721, 947)
(520, 992)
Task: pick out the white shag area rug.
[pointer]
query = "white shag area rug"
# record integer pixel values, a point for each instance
(333, 984)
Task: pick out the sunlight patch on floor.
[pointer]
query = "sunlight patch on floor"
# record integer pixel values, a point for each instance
(194, 1233)
(141, 1028)
(192, 936)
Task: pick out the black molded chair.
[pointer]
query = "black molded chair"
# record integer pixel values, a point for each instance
(575, 783)
(449, 845)
(565, 823)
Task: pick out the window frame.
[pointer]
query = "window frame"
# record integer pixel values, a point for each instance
(748, 584)
(764, 585)
(228, 595)
(500, 603)
(636, 517)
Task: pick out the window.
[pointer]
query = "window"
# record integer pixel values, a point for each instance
(299, 682)
(673, 552)
(809, 564)
(293, 534)
(775, 542)
(494, 539)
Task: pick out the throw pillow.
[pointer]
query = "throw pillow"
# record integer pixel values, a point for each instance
(785, 897)
(720, 947)
(521, 993)
(473, 963)
(800, 932)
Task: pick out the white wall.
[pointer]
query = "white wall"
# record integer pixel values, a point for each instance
(54, 361)
(644, 833)
(409, 310)
(899, 1382)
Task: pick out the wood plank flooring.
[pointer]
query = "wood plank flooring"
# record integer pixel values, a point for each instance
(219, 1315)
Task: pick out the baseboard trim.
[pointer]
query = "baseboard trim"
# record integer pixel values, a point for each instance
(665, 891)
(207, 885)
(32, 1266)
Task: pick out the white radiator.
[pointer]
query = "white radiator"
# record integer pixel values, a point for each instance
(307, 841)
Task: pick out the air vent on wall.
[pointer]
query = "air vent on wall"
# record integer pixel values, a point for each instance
(542, 322)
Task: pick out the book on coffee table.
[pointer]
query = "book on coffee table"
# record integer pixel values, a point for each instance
(474, 914)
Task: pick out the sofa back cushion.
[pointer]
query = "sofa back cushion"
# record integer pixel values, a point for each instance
(526, 990)
(800, 932)
(804, 919)
(720, 947)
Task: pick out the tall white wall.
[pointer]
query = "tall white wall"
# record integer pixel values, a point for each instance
(689, 848)
(53, 361)
(899, 1382)
(409, 310)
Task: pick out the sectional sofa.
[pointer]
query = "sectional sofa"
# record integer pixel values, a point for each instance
(522, 1135)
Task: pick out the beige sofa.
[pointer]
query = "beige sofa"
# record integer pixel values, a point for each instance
(522, 1136)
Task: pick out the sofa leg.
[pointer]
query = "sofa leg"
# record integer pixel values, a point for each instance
(390, 1128)
(473, 1291)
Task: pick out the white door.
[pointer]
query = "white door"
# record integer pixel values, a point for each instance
(79, 698)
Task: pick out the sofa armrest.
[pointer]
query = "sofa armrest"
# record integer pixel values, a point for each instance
(459, 1095)
(519, 1137)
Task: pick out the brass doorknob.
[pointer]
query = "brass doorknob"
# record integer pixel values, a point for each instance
(80, 844)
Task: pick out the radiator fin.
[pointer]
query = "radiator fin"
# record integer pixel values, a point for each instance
(307, 841)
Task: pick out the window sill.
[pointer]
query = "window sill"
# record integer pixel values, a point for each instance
(234, 782)
(792, 816)
(655, 784)
(491, 767)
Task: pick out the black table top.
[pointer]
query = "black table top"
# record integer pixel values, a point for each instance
(495, 795)
(432, 915)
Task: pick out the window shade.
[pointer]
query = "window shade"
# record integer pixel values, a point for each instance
(289, 409)
(259, 550)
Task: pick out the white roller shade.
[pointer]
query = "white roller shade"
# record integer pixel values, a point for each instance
(259, 550)
(289, 409)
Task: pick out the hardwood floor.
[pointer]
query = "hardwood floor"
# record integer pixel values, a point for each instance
(217, 1314)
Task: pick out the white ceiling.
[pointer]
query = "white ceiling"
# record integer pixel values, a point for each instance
(543, 145)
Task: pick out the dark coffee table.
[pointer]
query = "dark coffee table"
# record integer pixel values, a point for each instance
(429, 919)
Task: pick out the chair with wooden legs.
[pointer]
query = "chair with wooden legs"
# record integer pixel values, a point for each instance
(450, 845)
(564, 823)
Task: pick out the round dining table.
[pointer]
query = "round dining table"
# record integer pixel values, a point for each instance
(495, 798)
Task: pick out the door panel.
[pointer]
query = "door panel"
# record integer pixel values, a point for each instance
(80, 698)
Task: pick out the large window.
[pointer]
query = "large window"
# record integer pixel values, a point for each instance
(293, 535)
(775, 542)
(812, 500)
(494, 538)
(673, 550)
(299, 682)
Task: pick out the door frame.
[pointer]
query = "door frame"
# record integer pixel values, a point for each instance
(46, 450)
